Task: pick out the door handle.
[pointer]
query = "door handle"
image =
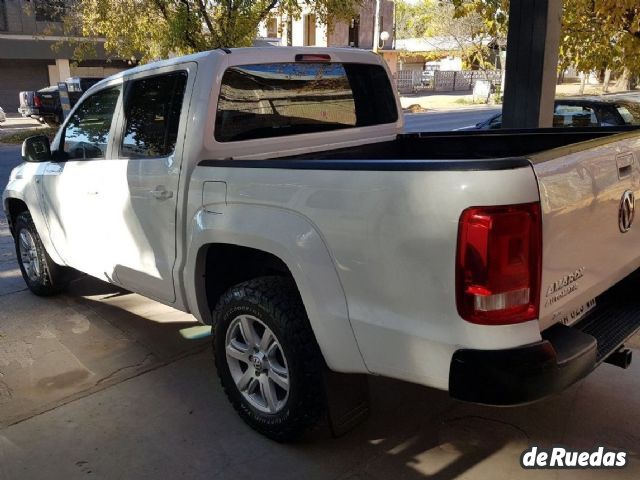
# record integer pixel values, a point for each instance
(161, 193)
(625, 162)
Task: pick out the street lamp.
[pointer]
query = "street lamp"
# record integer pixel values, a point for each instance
(384, 36)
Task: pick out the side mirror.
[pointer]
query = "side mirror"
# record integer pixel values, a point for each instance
(36, 149)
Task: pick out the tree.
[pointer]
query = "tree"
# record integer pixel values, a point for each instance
(467, 32)
(494, 14)
(152, 29)
(415, 20)
(585, 43)
(596, 34)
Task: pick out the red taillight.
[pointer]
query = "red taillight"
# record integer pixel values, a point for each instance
(36, 101)
(313, 57)
(498, 264)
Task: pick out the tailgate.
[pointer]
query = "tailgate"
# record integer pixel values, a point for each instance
(26, 99)
(590, 241)
(49, 101)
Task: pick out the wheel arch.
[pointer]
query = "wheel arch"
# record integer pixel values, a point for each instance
(14, 207)
(266, 241)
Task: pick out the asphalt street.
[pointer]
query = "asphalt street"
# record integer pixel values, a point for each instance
(439, 121)
(98, 383)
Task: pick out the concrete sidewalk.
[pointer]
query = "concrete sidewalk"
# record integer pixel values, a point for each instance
(16, 122)
(174, 422)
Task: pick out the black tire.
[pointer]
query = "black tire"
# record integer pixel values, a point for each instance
(52, 122)
(50, 278)
(274, 301)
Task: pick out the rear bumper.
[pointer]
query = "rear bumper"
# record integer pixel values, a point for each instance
(524, 374)
(563, 356)
(28, 111)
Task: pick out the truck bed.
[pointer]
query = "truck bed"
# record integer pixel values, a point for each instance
(490, 144)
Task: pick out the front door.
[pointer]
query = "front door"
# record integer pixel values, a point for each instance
(140, 206)
(73, 184)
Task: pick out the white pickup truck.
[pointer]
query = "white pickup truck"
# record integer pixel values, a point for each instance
(271, 193)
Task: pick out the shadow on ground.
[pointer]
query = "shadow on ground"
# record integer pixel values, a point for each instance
(89, 364)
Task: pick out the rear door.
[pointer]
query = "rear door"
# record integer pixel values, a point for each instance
(590, 238)
(140, 204)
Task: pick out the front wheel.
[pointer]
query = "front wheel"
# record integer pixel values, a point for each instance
(41, 274)
(267, 357)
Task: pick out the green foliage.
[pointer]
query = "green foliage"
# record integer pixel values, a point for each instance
(596, 34)
(414, 20)
(152, 29)
(494, 13)
(17, 138)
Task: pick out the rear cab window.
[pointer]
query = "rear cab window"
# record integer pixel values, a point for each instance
(279, 99)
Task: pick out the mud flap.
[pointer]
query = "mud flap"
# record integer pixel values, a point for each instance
(348, 403)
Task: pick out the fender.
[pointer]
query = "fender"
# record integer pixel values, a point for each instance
(23, 187)
(293, 239)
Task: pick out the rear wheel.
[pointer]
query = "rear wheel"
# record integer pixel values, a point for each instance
(41, 274)
(267, 358)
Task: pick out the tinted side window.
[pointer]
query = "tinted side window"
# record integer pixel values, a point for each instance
(87, 132)
(278, 99)
(152, 115)
(574, 116)
(630, 112)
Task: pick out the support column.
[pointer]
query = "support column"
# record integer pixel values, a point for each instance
(64, 70)
(532, 60)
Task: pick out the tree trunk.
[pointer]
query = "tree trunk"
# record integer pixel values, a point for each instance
(289, 29)
(607, 80)
(624, 82)
(583, 82)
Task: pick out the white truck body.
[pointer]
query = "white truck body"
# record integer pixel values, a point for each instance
(370, 243)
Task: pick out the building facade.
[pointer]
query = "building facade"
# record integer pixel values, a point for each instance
(357, 33)
(33, 53)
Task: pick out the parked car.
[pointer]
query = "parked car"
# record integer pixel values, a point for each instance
(3, 116)
(606, 111)
(271, 193)
(45, 103)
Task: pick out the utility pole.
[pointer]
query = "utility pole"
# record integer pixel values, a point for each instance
(376, 27)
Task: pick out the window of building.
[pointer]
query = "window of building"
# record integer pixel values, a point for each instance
(49, 10)
(354, 32)
(86, 135)
(3, 16)
(279, 99)
(309, 30)
(152, 115)
(272, 27)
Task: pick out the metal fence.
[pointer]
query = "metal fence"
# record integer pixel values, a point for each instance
(413, 81)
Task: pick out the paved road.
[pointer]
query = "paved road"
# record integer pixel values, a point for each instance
(10, 281)
(447, 120)
(97, 383)
(9, 158)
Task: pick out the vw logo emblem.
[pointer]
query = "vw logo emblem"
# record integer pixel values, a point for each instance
(257, 363)
(627, 211)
